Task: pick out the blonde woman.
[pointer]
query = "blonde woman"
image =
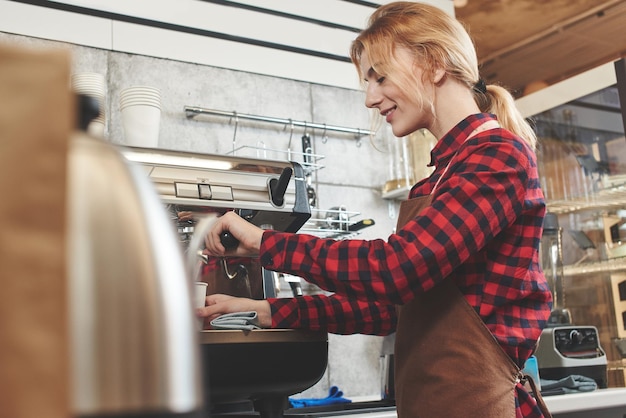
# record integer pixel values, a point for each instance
(463, 266)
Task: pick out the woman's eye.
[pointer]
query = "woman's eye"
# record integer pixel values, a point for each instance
(380, 80)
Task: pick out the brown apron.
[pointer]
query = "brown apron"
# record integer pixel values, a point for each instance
(447, 362)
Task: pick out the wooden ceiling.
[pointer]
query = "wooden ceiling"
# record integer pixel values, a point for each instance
(525, 41)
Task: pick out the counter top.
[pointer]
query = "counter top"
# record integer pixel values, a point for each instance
(613, 399)
(598, 399)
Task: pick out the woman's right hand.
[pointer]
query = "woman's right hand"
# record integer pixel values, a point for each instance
(248, 235)
(218, 304)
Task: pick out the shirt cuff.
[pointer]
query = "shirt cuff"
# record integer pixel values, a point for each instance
(270, 252)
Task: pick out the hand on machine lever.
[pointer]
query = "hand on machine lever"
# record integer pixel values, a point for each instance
(231, 235)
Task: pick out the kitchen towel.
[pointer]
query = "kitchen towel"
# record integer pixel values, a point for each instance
(569, 384)
(335, 396)
(239, 320)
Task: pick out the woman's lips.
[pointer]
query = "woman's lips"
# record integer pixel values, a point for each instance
(388, 114)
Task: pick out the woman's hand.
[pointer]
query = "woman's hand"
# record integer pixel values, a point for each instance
(219, 304)
(248, 235)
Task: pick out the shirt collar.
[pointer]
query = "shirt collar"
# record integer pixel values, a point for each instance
(451, 141)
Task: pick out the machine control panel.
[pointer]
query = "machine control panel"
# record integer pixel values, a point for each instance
(577, 342)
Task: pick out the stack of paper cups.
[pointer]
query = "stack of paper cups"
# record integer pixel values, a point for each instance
(141, 115)
(93, 85)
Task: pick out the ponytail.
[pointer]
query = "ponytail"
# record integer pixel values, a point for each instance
(500, 102)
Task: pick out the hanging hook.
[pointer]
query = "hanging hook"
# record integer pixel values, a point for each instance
(358, 138)
(290, 135)
(235, 132)
(324, 135)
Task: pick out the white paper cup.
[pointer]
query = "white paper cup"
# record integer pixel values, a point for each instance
(131, 102)
(91, 84)
(200, 299)
(141, 124)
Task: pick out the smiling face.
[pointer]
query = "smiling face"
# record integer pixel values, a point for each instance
(401, 107)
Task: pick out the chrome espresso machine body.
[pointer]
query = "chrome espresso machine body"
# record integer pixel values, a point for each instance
(269, 194)
(249, 371)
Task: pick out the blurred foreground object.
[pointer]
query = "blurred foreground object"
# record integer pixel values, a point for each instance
(36, 118)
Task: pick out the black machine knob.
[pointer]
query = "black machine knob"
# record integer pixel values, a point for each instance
(576, 337)
(228, 241)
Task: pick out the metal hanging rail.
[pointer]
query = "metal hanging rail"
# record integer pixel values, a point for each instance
(193, 111)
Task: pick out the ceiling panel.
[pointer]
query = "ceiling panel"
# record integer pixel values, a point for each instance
(522, 41)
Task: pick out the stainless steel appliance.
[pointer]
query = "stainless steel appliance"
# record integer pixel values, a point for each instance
(134, 345)
(571, 350)
(251, 372)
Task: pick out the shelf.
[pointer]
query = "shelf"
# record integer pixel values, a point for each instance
(397, 194)
(333, 223)
(310, 162)
(605, 266)
(612, 197)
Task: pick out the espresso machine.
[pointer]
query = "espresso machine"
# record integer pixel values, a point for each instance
(247, 373)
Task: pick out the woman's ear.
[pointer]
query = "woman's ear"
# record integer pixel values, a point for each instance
(439, 75)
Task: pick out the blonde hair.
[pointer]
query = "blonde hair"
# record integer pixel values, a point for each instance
(437, 40)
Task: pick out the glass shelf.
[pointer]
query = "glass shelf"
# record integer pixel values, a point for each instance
(310, 162)
(336, 223)
(397, 194)
(605, 266)
(612, 197)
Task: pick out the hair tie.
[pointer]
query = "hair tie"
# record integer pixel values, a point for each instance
(480, 86)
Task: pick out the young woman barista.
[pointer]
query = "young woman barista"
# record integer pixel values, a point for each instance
(463, 266)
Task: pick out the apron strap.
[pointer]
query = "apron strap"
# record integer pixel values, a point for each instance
(526, 378)
(485, 126)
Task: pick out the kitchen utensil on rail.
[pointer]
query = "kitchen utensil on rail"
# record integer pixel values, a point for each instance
(307, 151)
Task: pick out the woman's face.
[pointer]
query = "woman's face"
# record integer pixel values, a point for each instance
(398, 106)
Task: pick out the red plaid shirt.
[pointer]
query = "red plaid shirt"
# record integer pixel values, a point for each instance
(482, 231)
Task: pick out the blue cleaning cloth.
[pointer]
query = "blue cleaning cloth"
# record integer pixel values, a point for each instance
(570, 384)
(239, 320)
(335, 396)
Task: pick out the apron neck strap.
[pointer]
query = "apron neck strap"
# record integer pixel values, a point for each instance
(485, 126)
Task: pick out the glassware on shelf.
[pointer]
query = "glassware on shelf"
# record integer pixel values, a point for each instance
(400, 173)
(420, 145)
(552, 265)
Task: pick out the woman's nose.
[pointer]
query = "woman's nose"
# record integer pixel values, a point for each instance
(372, 96)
